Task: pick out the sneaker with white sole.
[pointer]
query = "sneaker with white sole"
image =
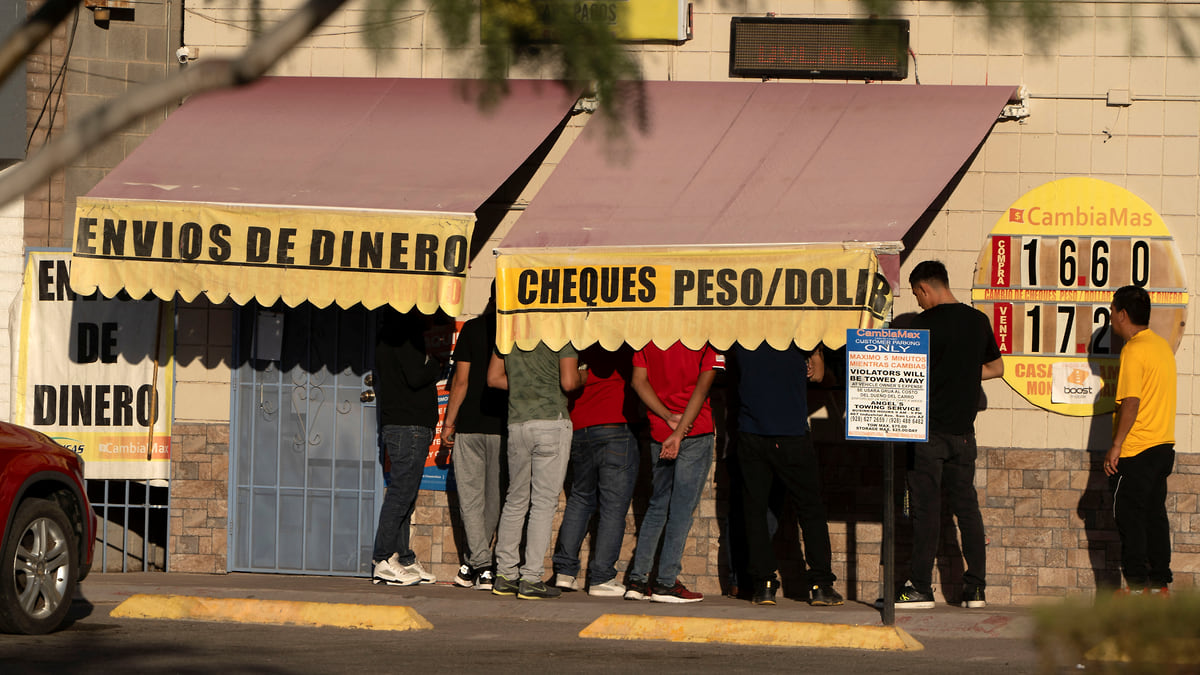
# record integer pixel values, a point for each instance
(637, 590)
(465, 577)
(609, 589)
(565, 581)
(676, 594)
(484, 581)
(392, 573)
(423, 577)
(910, 598)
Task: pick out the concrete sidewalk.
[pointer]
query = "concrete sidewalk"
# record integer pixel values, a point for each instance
(445, 600)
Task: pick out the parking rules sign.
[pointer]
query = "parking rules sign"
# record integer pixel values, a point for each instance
(887, 384)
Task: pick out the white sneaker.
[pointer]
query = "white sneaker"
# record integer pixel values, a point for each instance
(423, 577)
(565, 581)
(609, 589)
(392, 573)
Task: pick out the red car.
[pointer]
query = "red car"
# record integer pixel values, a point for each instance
(47, 530)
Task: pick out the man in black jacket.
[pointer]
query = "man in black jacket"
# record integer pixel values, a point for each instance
(406, 380)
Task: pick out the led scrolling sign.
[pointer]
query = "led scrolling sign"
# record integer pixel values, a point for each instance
(837, 49)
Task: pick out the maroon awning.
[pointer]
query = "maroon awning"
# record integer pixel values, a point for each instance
(359, 143)
(748, 164)
(340, 190)
(763, 163)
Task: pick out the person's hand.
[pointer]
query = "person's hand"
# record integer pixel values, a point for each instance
(448, 436)
(673, 420)
(670, 447)
(1110, 460)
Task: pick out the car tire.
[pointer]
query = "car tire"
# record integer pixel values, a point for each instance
(38, 569)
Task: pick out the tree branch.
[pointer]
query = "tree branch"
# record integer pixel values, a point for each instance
(210, 75)
(18, 46)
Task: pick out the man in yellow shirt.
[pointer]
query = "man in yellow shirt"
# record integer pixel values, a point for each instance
(1143, 449)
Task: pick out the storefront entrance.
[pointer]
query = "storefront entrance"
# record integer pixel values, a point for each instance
(305, 478)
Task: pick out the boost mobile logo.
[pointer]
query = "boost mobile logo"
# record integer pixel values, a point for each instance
(1077, 377)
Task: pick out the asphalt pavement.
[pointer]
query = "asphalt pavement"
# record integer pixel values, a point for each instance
(258, 598)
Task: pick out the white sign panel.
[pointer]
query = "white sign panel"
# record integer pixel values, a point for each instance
(887, 384)
(93, 374)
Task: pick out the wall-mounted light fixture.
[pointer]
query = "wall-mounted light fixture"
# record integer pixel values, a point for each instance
(104, 11)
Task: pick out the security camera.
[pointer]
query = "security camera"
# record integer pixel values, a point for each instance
(185, 54)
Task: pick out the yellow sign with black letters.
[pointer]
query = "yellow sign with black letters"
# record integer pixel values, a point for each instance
(808, 295)
(268, 253)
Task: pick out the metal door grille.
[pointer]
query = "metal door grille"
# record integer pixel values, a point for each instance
(304, 449)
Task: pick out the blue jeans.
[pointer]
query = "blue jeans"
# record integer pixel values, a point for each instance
(407, 448)
(604, 468)
(678, 484)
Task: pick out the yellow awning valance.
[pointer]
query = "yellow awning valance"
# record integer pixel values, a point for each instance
(267, 254)
(702, 294)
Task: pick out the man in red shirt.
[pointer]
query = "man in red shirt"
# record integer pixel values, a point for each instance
(674, 384)
(604, 468)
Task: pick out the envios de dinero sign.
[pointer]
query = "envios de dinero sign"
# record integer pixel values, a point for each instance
(1046, 276)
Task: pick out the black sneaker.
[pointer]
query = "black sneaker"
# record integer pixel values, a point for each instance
(505, 586)
(973, 597)
(764, 592)
(636, 590)
(484, 581)
(534, 590)
(465, 577)
(911, 598)
(824, 596)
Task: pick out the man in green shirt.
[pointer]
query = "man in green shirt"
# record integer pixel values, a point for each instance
(539, 446)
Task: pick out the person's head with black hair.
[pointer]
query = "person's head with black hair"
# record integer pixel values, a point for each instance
(931, 284)
(1130, 311)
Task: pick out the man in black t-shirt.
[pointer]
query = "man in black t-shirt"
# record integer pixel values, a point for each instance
(476, 415)
(962, 353)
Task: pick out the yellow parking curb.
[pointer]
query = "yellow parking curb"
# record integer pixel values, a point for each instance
(750, 632)
(287, 612)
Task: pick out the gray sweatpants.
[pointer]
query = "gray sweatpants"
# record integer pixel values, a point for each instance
(477, 474)
(538, 451)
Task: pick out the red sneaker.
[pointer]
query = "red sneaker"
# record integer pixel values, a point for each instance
(1164, 592)
(676, 594)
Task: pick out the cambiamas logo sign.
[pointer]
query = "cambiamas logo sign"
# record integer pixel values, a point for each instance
(1080, 216)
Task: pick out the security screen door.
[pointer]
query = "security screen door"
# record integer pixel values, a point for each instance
(305, 478)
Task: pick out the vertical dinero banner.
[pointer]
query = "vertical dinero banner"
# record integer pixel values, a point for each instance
(1046, 276)
(717, 295)
(93, 374)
